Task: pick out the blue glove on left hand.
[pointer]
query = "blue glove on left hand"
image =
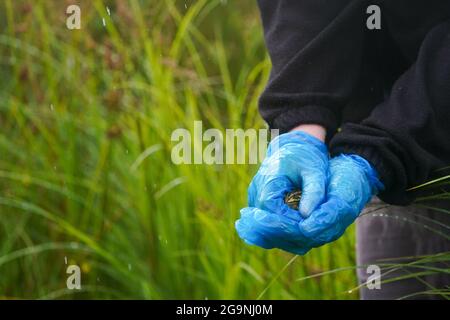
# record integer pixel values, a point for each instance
(352, 184)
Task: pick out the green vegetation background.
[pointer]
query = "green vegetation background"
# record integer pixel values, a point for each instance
(85, 172)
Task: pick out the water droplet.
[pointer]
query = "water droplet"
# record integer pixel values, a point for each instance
(107, 10)
(51, 107)
(104, 22)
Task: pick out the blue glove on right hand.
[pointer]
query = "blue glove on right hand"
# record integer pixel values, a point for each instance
(295, 160)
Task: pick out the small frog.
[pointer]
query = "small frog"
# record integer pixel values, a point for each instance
(292, 199)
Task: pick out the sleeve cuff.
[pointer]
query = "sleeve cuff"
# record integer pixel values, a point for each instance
(291, 117)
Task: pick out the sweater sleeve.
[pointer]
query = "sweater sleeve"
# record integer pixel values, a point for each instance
(407, 136)
(315, 48)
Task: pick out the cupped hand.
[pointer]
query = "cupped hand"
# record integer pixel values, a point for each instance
(295, 160)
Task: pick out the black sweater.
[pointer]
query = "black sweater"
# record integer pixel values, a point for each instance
(382, 94)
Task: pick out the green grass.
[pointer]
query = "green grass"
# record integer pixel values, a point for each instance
(85, 171)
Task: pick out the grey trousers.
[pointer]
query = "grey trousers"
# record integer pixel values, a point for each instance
(386, 233)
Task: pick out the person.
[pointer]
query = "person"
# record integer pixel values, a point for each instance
(364, 116)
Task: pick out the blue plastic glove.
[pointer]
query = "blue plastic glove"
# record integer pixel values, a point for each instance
(294, 160)
(352, 184)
